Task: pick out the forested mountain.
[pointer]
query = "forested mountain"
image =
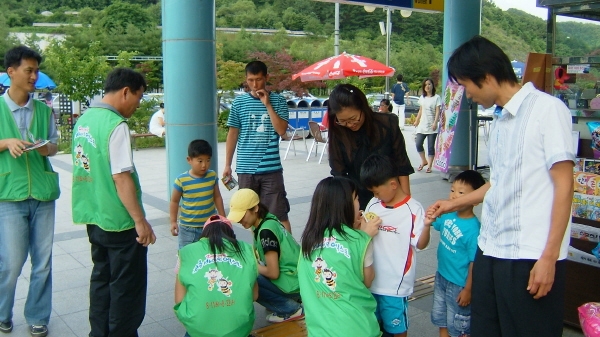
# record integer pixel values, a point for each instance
(416, 49)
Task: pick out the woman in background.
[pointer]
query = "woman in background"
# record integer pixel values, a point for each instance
(385, 106)
(427, 123)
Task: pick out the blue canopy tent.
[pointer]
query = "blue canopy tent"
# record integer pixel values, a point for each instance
(43, 81)
(519, 68)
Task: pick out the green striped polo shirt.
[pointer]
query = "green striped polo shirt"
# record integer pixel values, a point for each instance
(258, 143)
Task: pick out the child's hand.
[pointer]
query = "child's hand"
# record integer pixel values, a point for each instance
(427, 221)
(174, 229)
(464, 298)
(370, 227)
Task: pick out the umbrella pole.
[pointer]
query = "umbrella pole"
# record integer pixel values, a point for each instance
(336, 34)
(388, 33)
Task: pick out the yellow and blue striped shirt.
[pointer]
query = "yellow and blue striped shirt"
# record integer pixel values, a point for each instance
(197, 198)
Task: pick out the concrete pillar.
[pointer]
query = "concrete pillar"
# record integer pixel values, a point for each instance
(462, 21)
(189, 67)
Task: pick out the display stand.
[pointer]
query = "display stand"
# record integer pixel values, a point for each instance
(581, 277)
(581, 286)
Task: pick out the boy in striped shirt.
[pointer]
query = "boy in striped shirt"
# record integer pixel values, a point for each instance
(196, 195)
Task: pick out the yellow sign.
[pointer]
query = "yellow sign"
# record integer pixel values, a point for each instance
(430, 5)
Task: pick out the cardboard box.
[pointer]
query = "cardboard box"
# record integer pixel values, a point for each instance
(538, 70)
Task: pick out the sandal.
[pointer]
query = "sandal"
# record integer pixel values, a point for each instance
(421, 167)
(428, 170)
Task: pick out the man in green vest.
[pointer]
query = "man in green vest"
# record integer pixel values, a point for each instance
(28, 190)
(108, 199)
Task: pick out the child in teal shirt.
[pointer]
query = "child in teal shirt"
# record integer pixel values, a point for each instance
(456, 252)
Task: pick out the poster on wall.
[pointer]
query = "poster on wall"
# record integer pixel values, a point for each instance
(447, 125)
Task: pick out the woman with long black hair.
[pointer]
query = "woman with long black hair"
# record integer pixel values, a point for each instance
(216, 282)
(335, 269)
(356, 132)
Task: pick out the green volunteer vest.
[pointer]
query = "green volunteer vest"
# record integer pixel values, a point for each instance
(288, 257)
(336, 301)
(95, 199)
(31, 174)
(219, 297)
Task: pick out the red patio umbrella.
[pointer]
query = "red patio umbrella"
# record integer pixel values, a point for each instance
(342, 66)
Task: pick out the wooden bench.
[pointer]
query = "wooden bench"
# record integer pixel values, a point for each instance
(423, 287)
(135, 136)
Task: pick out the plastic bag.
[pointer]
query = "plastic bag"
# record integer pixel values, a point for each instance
(596, 251)
(595, 132)
(589, 318)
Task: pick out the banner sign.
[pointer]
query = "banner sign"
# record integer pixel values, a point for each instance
(414, 5)
(448, 117)
(578, 68)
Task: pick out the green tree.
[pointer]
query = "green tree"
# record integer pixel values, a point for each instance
(6, 41)
(79, 73)
(87, 16)
(229, 75)
(124, 58)
(239, 14)
(152, 71)
(281, 67)
(120, 15)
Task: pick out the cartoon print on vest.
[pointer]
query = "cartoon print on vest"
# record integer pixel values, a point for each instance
(225, 286)
(319, 264)
(78, 153)
(85, 162)
(329, 277)
(212, 275)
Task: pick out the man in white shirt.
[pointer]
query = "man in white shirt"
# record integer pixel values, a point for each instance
(157, 122)
(519, 269)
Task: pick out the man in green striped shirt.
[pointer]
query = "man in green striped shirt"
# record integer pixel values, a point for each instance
(256, 121)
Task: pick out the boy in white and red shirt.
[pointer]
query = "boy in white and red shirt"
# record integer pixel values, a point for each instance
(400, 234)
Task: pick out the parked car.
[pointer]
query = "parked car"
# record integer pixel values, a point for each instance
(290, 95)
(375, 100)
(411, 103)
(411, 106)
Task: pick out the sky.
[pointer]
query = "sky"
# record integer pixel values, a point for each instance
(529, 6)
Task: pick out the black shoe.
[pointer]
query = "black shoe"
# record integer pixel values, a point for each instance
(6, 327)
(38, 330)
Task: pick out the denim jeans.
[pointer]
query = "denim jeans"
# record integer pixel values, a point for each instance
(446, 313)
(275, 300)
(26, 227)
(188, 235)
(430, 143)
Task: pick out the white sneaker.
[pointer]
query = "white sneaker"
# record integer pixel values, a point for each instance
(273, 318)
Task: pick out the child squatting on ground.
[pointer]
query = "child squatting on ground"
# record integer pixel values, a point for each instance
(456, 252)
(336, 265)
(199, 194)
(395, 245)
(277, 252)
(216, 283)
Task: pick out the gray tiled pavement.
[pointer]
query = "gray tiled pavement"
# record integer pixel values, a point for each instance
(72, 263)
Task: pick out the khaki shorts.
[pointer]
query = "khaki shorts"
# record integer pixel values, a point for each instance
(270, 190)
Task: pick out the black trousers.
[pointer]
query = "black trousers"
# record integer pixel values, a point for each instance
(118, 283)
(502, 306)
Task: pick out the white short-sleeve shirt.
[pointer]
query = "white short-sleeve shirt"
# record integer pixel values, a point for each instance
(121, 157)
(428, 107)
(532, 133)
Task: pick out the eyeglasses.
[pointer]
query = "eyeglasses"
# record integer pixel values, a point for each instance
(350, 121)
